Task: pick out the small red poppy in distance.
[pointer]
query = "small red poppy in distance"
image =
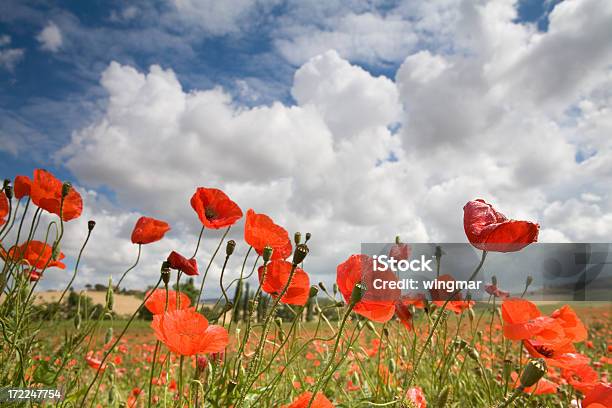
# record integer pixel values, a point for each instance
(149, 230)
(302, 401)
(156, 303)
(260, 231)
(276, 277)
(46, 193)
(4, 207)
(180, 263)
(22, 186)
(36, 254)
(94, 362)
(439, 296)
(377, 304)
(187, 332)
(214, 208)
(490, 230)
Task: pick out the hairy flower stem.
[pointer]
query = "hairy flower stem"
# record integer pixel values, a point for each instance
(130, 268)
(436, 322)
(198, 244)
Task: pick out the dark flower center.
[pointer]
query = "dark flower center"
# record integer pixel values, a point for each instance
(210, 213)
(545, 351)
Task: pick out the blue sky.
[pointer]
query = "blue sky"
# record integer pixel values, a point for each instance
(360, 118)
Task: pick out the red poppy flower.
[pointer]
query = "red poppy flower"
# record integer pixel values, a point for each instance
(4, 207)
(416, 396)
(582, 377)
(571, 324)
(377, 304)
(180, 263)
(523, 320)
(490, 230)
(22, 186)
(156, 303)
(149, 230)
(495, 291)
(302, 401)
(36, 254)
(214, 208)
(542, 387)
(34, 275)
(94, 362)
(403, 313)
(599, 397)
(400, 251)
(439, 296)
(456, 306)
(46, 193)
(556, 354)
(277, 275)
(260, 231)
(187, 332)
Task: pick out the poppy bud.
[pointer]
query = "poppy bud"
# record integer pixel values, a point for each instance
(322, 286)
(507, 370)
(297, 238)
(314, 291)
(404, 351)
(201, 364)
(6, 183)
(66, 187)
(534, 370)
(110, 300)
(229, 249)
(308, 236)
(385, 332)
(108, 336)
(528, 281)
(438, 254)
(90, 225)
(397, 240)
(231, 386)
(300, 253)
(392, 366)
(443, 397)
(494, 280)
(165, 272)
(335, 288)
(267, 253)
(473, 353)
(357, 294)
(8, 191)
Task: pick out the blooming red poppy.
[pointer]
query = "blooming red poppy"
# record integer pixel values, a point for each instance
(490, 230)
(180, 263)
(276, 277)
(493, 290)
(46, 193)
(440, 295)
(94, 362)
(214, 208)
(4, 207)
(403, 313)
(599, 397)
(320, 401)
(156, 303)
(572, 326)
(400, 251)
(416, 396)
(556, 353)
(523, 320)
(542, 387)
(36, 254)
(456, 306)
(581, 377)
(187, 332)
(260, 231)
(376, 304)
(22, 186)
(149, 230)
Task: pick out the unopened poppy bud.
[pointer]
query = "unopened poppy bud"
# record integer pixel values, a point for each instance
(201, 363)
(335, 289)
(443, 397)
(507, 369)
(110, 300)
(6, 183)
(528, 281)
(404, 351)
(438, 254)
(473, 353)
(322, 286)
(297, 238)
(8, 191)
(357, 294)
(308, 236)
(534, 370)
(494, 280)
(66, 187)
(229, 249)
(314, 291)
(392, 366)
(397, 240)
(267, 253)
(165, 272)
(108, 336)
(300, 253)
(90, 225)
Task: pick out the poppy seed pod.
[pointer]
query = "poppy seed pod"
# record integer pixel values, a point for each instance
(300, 253)
(91, 224)
(8, 191)
(534, 370)
(165, 272)
(308, 236)
(229, 249)
(297, 238)
(357, 294)
(314, 291)
(66, 187)
(267, 253)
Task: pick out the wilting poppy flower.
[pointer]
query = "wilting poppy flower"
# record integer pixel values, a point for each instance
(4, 207)
(187, 332)
(36, 254)
(214, 208)
(46, 193)
(599, 397)
(180, 263)
(149, 230)
(94, 362)
(22, 186)
(403, 313)
(156, 303)
(260, 231)
(276, 277)
(416, 396)
(542, 387)
(523, 320)
(495, 291)
(582, 377)
(302, 401)
(377, 304)
(490, 230)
